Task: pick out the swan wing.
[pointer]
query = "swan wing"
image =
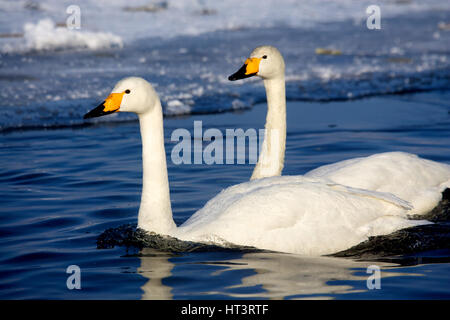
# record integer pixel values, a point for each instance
(418, 181)
(384, 196)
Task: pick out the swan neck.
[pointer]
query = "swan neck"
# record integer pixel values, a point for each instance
(271, 158)
(155, 212)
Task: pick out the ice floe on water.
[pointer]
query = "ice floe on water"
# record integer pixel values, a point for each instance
(132, 19)
(176, 107)
(46, 35)
(51, 75)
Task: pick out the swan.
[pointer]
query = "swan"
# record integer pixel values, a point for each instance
(417, 181)
(268, 63)
(293, 214)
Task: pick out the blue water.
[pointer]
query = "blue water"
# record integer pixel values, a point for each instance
(64, 182)
(61, 188)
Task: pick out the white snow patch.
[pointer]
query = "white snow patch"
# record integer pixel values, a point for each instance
(45, 35)
(176, 107)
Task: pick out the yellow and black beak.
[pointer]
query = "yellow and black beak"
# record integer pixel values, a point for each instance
(110, 105)
(249, 69)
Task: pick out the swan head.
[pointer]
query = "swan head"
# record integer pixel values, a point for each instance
(131, 94)
(265, 62)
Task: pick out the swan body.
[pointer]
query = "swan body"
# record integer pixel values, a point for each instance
(298, 214)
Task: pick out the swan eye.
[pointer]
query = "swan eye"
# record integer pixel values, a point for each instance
(264, 57)
(127, 91)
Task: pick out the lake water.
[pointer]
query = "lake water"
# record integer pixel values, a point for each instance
(63, 187)
(63, 182)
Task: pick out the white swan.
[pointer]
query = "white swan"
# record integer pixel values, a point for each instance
(416, 180)
(289, 214)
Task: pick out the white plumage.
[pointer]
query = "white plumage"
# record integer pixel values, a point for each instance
(329, 209)
(296, 214)
(413, 179)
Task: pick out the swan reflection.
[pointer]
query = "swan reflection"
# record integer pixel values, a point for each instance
(259, 275)
(155, 266)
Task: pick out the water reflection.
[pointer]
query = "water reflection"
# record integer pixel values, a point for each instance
(155, 266)
(259, 275)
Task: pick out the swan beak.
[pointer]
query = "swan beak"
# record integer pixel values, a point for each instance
(110, 105)
(249, 69)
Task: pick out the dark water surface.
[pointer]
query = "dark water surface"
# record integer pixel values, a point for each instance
(61, 188)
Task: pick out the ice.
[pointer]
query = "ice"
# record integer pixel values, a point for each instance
(45, 35)
(133, 19)
(176, 107)
(50, 75)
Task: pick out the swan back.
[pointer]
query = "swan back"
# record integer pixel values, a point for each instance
(416, 180)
